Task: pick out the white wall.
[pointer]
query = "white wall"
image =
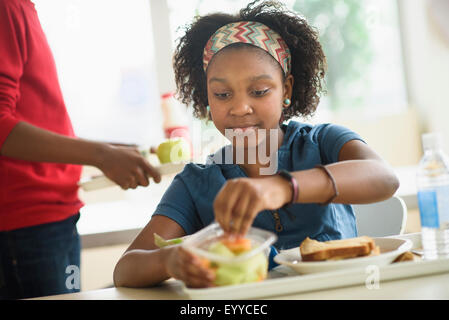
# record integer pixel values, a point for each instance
(426, 55)
(163, 45)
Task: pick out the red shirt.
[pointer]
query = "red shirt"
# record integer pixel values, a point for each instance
(31, 193)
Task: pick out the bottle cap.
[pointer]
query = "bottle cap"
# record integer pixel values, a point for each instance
(432, 141)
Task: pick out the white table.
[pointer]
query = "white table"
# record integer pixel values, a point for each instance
(404, 280)
(426, 287)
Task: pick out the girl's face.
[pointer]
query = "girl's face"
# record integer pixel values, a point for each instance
(246, 91)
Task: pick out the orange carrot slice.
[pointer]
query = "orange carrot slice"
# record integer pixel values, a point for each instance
(237, 245)
(205, 262)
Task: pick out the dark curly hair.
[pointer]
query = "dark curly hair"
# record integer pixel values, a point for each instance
(308, 59)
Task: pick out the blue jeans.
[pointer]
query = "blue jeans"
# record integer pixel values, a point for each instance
(40, 260)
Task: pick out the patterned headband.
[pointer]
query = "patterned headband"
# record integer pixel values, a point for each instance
(250, 32)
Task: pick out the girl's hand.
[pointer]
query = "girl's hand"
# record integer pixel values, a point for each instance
(240, 200)
(187, 267)
(126, 167)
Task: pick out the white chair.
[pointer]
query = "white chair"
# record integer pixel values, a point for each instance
(381, 219)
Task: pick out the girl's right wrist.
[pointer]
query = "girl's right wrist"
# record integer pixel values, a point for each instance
(165, 256)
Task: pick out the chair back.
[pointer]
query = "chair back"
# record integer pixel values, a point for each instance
(381, 219)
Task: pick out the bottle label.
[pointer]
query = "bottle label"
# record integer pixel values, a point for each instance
(428, 208)
(434, 207)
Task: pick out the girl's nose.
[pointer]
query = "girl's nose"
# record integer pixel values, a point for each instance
(241, 107)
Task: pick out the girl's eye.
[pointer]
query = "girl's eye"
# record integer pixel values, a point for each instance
(222, 95)
(260, 93)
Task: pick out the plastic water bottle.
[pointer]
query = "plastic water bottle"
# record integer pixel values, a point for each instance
(433, 197)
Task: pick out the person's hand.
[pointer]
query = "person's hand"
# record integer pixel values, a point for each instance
(127, 167)
(187, 267)
(153, 150)
(240, 200)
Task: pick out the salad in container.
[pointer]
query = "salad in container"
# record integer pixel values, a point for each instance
(234, 260)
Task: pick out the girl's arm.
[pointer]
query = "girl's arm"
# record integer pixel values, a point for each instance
(361, 177)
(143, 264)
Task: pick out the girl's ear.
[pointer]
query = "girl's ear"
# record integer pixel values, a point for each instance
(208, 113)
(288, 87)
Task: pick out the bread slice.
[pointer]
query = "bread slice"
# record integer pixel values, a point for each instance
(313, 250)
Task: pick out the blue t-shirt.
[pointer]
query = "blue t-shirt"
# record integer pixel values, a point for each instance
(189, 199)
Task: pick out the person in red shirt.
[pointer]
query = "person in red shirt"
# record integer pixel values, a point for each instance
(40, 163)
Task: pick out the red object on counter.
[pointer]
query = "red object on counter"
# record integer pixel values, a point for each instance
(181, 131)
(174, 119)
(31, 193)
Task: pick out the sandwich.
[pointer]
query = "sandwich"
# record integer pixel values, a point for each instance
(313, 250)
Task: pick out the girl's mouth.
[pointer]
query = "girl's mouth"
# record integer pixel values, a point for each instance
(240, 130)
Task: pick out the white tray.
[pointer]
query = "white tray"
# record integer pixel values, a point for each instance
(283, 280)
(101, 182)
(390, 249)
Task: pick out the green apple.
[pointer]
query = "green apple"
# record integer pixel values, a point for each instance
(174, 150)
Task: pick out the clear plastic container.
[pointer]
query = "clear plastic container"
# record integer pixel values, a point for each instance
(244, 267)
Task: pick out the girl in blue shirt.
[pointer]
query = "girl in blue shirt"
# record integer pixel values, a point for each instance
(249, 73)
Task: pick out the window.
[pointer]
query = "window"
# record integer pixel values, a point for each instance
(360, 39)
(106, 58)
(362, 44)
(104, 55)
